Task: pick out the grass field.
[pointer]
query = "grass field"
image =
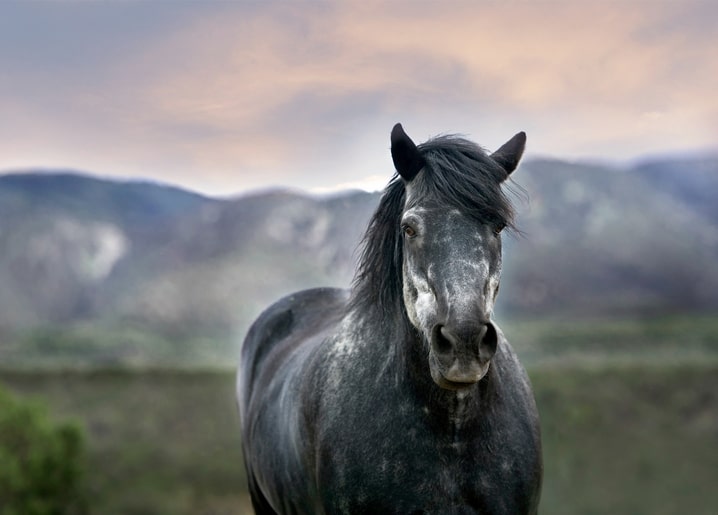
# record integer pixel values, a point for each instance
(629, 440)
(159, 442)
(617, 440)
(650, 340)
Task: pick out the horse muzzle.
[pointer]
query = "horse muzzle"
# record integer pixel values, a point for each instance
(460, 354)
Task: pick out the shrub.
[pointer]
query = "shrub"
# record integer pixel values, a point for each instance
(40, 462)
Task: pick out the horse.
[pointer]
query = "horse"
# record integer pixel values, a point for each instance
(401, 394)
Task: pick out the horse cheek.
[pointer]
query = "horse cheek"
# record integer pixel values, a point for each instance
(419, 301)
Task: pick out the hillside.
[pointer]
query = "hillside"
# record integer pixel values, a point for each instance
(693, 180)
(601, 241)
(137, 272)
(63, 234)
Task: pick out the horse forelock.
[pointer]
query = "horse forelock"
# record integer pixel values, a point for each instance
(460, 174)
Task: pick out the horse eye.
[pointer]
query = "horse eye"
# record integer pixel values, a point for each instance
(499, 227)
(409, 231)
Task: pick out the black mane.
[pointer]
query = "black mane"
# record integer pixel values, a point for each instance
(458, 173)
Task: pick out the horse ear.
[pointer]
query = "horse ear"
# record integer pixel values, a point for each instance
(509, 155)
(408, 161)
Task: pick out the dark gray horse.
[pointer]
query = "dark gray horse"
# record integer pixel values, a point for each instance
(401, 395)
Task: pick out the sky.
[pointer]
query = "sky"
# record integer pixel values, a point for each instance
(225, 97)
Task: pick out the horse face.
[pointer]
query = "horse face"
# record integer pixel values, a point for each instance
(451, 268)
(451, 271)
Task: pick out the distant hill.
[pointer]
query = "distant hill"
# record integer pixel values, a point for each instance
(602, 241)
(692, 180)
(63, 234)
(217, 269)
(136, 258)
(132, 203)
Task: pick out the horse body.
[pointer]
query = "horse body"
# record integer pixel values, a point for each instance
(381, 399)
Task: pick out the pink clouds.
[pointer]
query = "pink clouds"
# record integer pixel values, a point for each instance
(241, 95)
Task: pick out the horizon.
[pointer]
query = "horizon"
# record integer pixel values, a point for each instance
(352, 187)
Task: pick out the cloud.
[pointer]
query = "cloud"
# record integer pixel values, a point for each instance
(240, 95)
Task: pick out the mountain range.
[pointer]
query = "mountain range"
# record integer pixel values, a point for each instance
(86, 256)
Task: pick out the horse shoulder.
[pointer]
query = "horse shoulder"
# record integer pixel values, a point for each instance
(281, 323)
(274, 359)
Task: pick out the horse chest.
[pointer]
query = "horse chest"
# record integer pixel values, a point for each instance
(402, 466)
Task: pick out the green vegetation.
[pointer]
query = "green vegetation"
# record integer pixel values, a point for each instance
(628, 440)
(117, 346)
(629, 414)
(158, 442)
(41, 463)
(611, 341)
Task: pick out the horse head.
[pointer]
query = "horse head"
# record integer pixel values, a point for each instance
(453, 215)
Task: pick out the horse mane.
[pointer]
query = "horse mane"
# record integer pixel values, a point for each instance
(458, 173)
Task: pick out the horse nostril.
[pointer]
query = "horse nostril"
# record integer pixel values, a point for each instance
(489, 343)
(440, 340)
(480, 339)
(481, 334)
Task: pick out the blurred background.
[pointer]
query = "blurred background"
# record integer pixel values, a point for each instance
(168, 169)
